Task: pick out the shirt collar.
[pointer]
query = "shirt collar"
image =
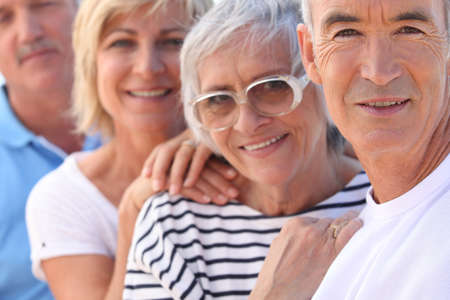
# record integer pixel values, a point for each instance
(12, 131)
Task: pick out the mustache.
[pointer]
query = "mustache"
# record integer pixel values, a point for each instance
(363, 89)
(38, 45)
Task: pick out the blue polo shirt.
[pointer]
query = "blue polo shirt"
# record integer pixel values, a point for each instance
(24, 159)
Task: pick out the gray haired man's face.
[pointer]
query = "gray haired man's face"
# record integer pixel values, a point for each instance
(384, 67)
(35, 42)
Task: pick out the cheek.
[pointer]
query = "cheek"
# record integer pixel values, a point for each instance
(109, 70)
(220, 139)
(8, 52)
(172, 63)
(108, 75)
(428, 68)
(337, 66)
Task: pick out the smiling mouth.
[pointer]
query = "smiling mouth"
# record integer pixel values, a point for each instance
(265, 144)
(385, 103)
(150, 94)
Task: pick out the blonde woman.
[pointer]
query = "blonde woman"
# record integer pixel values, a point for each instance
(127, 87)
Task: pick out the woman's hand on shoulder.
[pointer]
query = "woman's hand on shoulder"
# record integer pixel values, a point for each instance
(184, 167)
(300, 256)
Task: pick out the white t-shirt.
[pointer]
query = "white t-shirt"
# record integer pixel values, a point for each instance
(67, 215)
(186, 250)
(403, 250)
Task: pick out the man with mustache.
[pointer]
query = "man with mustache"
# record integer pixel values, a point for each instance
(384, 67)
(35, 128)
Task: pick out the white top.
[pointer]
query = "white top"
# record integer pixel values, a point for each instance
(403, 250)
(186, 250)
(67, 215)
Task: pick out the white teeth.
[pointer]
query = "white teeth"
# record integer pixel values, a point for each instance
(383, 104)
(263, 144)
(154, 93)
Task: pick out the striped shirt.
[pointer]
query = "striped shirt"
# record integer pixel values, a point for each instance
(185, 250)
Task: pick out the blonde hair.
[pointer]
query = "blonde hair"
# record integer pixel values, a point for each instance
(92, 17)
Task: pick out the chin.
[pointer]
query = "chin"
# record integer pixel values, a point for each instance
(384, 143)
(270, 177)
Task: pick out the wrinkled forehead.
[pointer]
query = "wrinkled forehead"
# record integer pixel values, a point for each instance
(327, 12)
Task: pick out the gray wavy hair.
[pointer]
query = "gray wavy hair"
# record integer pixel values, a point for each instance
(263, 22)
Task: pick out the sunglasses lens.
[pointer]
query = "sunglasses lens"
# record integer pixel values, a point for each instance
(272, 97)
(217, 111)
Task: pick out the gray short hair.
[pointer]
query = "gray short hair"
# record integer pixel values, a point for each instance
(307, 16)
(262, 20)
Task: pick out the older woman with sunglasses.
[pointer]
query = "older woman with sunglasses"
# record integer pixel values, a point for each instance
(246, 97)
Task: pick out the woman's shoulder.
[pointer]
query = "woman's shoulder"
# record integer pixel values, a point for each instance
(163, 205)
(64, 186)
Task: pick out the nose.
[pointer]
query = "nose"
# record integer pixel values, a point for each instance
(380, 64)
(249, 121)
(149, 62)
(29, 27)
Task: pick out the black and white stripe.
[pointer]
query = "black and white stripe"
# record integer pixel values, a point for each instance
(186, 250)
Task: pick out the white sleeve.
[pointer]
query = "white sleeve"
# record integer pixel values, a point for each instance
(61, 221)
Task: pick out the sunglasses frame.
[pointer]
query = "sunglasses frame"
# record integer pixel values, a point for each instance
(297, 85)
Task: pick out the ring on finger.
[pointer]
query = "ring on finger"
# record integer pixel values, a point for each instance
(335, 229)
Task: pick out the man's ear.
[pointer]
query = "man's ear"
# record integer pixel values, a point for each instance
(306, 48)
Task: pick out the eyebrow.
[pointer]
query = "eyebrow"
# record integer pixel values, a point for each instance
(338, 17)
(277, 71)
(133, 32)
(416, 15)
(170, 30)
(123, 30)
(216, 88)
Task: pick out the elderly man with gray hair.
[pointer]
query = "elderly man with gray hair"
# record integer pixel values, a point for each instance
(384, 67)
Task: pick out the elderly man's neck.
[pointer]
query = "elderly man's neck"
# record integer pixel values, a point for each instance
(394, 174)
(46, 114)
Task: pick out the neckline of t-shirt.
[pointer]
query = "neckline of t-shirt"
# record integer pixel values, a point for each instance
(421, 194)
(72, 164)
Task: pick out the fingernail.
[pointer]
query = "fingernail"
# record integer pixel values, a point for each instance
(222, 199)
(157, 185)
(231, 173)
(206, 198)
(173, 189)
(232, 192)
(187, 183)
(145, 172)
